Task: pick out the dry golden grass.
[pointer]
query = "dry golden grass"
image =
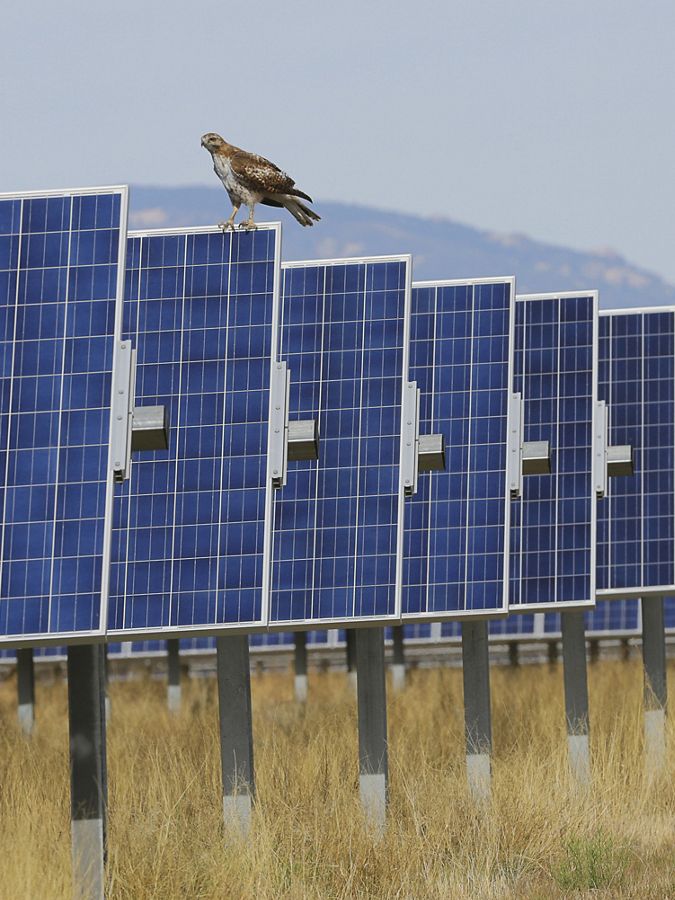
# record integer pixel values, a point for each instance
(540, 838)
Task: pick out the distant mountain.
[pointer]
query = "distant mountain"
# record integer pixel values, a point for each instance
(440, 247)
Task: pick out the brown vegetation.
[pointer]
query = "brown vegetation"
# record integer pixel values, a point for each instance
(540, 838)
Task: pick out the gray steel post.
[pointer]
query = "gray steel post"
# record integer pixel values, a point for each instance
(553, 653)
(576, 693)
(593, 650)
(107, 707)
(350, 640)
(398, 662)
(300, 662)
(477, 717)
(655, 683)
(372, 715)
(26, 689)
(514, 654)
(236, 729)
(88, 780)
(173, 661)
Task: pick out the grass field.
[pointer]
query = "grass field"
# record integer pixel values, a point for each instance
(540, 838)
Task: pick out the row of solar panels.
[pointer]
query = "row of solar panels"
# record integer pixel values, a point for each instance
(609, 619)
(232, 526)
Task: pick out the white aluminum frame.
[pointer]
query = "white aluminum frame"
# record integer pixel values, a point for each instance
(470, 615)
(91, 635)
(366, 621)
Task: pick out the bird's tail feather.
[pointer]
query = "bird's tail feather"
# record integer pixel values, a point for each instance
(303, 214)
(296, 192)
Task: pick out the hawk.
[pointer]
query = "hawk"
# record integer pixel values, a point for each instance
(250, 179)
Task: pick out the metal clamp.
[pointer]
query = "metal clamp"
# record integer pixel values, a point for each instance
(523, 457)
(120, 438)
(608, 462)
(278, 445)
(536, 458)
(133, 427)
(514, 446)
(431, 453)
(410, 443)
(420, 452)
(297, 440)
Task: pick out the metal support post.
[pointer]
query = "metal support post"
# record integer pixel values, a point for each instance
(576, 694)
(300, 641)
(173, 661)
(398, 663)
(513, 654)
(236, 729)
(350, 639)
(107, 707)
(477, 718)
(372, 714)
(593, 650)
(88, 780)
(655, 683)
(553, 653)
(26, 689)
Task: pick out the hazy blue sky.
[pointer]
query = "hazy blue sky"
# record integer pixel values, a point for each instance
(552, 119)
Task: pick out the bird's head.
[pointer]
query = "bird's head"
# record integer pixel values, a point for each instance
(212, 141)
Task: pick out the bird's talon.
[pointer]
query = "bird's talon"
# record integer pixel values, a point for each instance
(248, 226)
(226, 226)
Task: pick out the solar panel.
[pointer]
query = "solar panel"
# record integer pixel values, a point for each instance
(61, 261)
(618, 618)
(669, 613)
(285, 640)
(457, 524)
(156, 648)
(192, 523)
(636, 525)
(337, 549)
(553, 531)
(49, 653)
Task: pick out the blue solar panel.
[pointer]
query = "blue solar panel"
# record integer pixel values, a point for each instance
(61, 259)
(636, 520)
(423, 632)
(147, 649)
(286, 640)
(457, 524)
(451, 630)
(192, 524)
(618, 617)
(523, 625)
(669, 613)
(338, 521)
(50, 653)
(553, 531)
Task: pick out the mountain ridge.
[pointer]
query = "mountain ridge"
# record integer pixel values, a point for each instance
(440, 246)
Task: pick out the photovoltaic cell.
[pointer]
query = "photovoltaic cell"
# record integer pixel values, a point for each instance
(457, 524)
(636, 520)
(338, 521)
(553, 530)
(61, 266)
(192, 523)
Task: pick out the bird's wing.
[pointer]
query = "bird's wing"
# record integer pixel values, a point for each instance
(259, 174)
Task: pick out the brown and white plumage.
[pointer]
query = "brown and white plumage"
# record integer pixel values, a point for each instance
(250, 179)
